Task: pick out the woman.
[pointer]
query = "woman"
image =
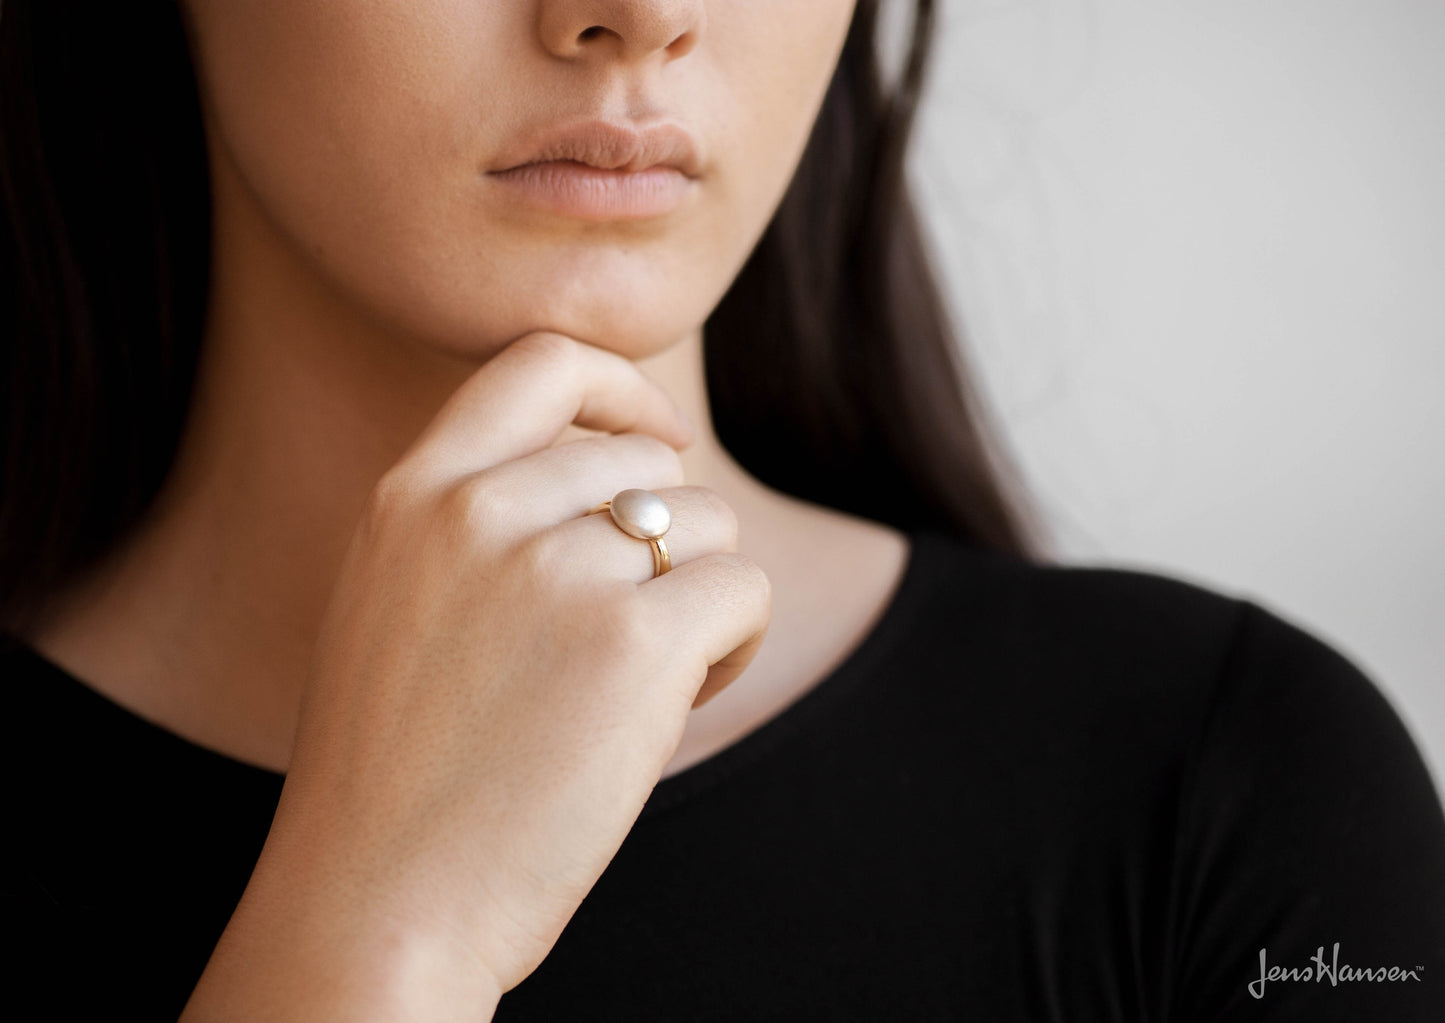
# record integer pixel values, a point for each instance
(349, 455)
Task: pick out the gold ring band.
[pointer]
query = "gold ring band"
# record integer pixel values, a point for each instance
(661, 559)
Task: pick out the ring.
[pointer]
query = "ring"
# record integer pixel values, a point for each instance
(642, 514)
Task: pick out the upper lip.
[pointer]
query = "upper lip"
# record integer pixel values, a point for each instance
(609, 146)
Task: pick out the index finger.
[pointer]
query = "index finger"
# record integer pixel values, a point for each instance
(532, 390)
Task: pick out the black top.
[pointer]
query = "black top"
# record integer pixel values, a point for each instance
(1031, 793)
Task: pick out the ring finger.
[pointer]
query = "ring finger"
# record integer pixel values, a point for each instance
(702, 523)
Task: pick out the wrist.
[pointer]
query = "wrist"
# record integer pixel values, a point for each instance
(375, 973)
(319, 952)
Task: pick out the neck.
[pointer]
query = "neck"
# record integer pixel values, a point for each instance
(301, 403)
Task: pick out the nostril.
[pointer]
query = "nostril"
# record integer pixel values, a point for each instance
(592, 32)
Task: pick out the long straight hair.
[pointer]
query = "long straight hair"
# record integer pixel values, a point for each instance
(833, 371)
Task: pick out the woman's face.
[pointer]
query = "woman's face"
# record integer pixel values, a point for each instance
(366, 134)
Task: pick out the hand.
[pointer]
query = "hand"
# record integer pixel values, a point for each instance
(497, 686)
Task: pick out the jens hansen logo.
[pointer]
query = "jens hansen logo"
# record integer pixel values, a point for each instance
(1332, 971)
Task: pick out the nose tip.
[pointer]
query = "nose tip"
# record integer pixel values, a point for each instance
(635, 30)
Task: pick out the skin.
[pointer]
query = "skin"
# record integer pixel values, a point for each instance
(363, 271)
(333, 337)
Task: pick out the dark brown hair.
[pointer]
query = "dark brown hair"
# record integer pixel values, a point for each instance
(832, 367)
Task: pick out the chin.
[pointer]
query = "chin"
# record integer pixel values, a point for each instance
(629, 301)
(634, 338)
(635, 328)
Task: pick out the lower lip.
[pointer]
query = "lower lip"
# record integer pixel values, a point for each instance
(591, 193)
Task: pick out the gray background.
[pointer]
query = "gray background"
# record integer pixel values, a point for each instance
(1198, 249)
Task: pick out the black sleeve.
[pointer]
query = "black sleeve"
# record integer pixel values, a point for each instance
(1311, 835)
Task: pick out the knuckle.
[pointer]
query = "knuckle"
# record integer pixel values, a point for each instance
(629, 628)
(538, 558)
(557, 350)
(395, 486)
(652, 446)
(572, 459)
(388, 501)
(671, 460)
(476, 506)
(720, 512)
(666, 459)
(749, 573)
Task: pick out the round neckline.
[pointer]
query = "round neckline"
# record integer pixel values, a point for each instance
(856, 667)
(75, 693)
(669, 792)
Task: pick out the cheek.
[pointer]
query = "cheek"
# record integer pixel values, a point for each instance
(313, 100)
(362, 134)
(355, 133)
(770, 63)
(778, 56)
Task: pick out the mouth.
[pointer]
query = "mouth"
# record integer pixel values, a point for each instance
(584, 192)
(608, 146)
(601, 171)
